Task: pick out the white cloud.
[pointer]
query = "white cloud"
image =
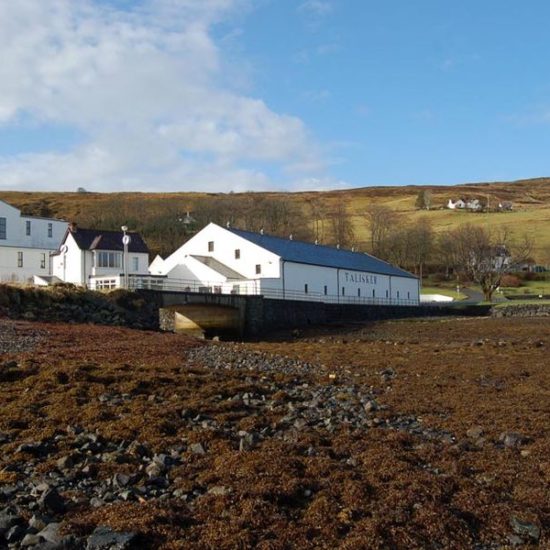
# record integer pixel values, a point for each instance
(317, 8)
(147, 89)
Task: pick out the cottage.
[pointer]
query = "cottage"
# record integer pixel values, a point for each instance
(227, 260)
(26, 243)
(99, 259)
(459, 204)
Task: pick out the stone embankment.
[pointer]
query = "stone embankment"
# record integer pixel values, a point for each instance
(522, 310)
(67, 303)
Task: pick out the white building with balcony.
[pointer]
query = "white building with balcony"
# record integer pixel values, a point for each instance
(26, 243)
(98, 259)
(227, 260)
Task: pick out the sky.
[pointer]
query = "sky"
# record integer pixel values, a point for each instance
(254, 95)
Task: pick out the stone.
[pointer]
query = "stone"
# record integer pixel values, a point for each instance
(37, 522)
(219, 490)
(475, 432)
(104, 538)
(31, 540)
(525, 529)
(512, 440)
(14, 534)
(120, 480)
(154, 469)
(197, 449)
(65, 462)
(52, 501)
(51, 533)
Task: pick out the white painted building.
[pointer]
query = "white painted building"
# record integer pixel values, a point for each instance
(97, 259)
(226, 260)
(26, 243)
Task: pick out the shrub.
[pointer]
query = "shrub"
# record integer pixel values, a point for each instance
(510, 281)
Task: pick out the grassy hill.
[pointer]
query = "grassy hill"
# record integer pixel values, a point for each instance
(531, 214)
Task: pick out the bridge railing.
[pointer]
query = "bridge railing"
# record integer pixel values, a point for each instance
(252, 287)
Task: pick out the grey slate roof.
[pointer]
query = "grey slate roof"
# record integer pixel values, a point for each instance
(214, 264)
(326, 256)
(99, 239)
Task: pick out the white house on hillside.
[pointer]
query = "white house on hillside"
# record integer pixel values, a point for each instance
(226, 260)
(26, 243)
(97, 259)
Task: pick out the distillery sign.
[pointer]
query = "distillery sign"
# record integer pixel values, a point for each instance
(363, 278)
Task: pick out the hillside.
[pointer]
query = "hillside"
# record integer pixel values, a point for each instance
(147, 211)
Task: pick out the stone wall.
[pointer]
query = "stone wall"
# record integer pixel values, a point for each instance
(522, 310)
(66, 303)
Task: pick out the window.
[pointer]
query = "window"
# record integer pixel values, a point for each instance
(50, 230)
(408, 295)
(386, 294)
(326, 290)
(359, 293)
(237, 253)
(108, 259)
(398, 294)
(27, 227)
(305, 288)
(236, 289)
(20, 259)
(135, 263)
(343, 291)
(210, 246)
(42, 261)
(258, 269)
(106, 284)
(2, 228)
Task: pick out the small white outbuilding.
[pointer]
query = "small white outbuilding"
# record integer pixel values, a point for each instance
(227, 260)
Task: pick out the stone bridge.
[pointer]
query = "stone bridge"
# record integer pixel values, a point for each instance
(251, 316)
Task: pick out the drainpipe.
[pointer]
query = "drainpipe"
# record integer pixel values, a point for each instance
(284, 286)
(338, 285)
(390, 291)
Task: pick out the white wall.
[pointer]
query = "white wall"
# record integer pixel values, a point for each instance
(16, 228)
(32, 246)
(225, 244)
(32, 262)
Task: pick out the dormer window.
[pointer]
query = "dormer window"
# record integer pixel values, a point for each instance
(210, 246)
(237, 253)
(50, 230)
(3, 228)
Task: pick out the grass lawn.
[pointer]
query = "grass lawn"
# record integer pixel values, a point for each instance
(444, 292)
(522, 302)
(529, 287)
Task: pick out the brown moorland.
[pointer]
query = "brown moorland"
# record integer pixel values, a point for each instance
(425, 468)
(531, 214)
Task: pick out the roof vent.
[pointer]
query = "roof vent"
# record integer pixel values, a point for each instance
(338, 246)
(316, 241)
(291, 237)
(262, 231)
(353, 248)
(228, 225)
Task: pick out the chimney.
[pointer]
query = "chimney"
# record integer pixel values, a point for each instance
(73, 227)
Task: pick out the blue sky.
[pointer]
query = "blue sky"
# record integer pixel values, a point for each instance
(272, 94)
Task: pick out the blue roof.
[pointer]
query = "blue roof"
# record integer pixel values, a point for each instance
(316, 254)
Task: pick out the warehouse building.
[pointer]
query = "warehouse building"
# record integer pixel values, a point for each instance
(227, 260)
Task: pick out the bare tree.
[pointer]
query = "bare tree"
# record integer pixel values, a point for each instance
(424, 199)
(381, 220)
(484, 256)
(342, 228)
